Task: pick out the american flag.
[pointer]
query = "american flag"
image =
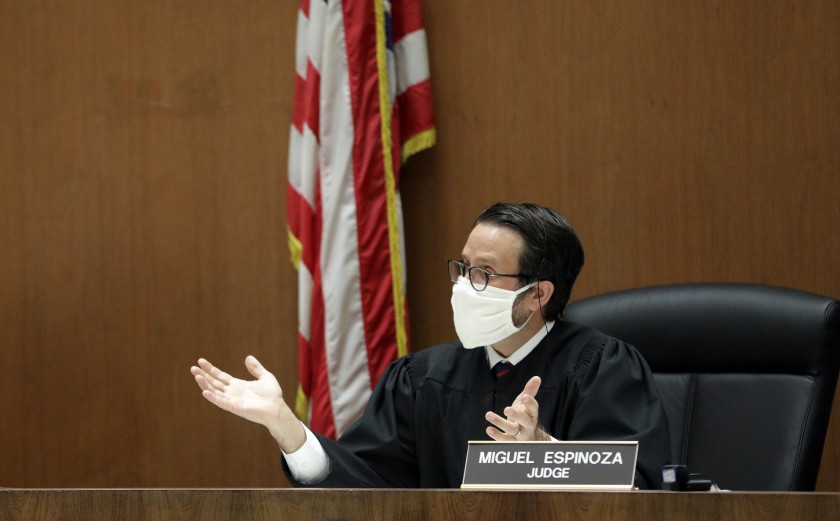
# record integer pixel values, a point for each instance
(363, 105)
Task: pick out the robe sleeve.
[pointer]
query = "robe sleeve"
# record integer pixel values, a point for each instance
(378, 450)
(615, 398)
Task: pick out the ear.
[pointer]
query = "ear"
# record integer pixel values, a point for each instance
(541, 295)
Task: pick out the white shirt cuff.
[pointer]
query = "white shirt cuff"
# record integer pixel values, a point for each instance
(309, 464)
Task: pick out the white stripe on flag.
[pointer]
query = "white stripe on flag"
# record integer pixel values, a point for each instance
(304, 302)
(412, 60)
(303, 162)
(347, 363)
(315, 35)
(301, 49)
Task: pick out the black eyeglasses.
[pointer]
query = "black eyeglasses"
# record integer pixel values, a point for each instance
(479, 278)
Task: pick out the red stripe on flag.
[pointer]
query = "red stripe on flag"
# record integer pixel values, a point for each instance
(305, 225)
(319, 392)
(371, 206)
(406, 18)
(415, 110)
(306, 100)
(312, 366)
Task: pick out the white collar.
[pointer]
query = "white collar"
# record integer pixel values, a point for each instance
(493, 357)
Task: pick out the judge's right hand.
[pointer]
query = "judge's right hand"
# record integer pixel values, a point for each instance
(260, 401)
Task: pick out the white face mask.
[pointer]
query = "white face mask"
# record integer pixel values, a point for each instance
(483, 318)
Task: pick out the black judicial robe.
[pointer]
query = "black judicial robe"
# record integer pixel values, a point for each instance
(428, 405)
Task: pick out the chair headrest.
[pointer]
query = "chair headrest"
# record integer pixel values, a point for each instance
(720, 327)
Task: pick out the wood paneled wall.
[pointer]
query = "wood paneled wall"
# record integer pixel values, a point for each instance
(142, 177)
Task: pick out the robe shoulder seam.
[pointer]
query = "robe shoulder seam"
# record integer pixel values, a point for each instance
(590, 351)
(418, 368)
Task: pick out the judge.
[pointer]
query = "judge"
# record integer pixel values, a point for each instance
(518, 372)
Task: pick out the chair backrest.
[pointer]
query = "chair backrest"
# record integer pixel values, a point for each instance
(747, 374)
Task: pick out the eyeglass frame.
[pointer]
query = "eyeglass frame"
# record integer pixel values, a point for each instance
(466, 268)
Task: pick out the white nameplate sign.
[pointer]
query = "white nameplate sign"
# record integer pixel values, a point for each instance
(558, 465)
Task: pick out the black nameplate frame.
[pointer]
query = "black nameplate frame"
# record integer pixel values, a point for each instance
(551, 465)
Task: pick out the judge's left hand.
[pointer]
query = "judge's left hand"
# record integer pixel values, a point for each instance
(521, 417)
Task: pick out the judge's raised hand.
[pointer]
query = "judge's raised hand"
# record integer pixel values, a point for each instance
(260, 401)
(521, 417)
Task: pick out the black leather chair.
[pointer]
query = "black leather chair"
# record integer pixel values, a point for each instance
(747, 374)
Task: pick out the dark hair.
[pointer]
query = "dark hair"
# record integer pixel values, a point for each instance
(552, 250)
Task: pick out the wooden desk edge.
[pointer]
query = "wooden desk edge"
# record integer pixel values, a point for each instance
(407, 504)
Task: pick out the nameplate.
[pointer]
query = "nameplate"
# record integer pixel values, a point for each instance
(557, 465)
